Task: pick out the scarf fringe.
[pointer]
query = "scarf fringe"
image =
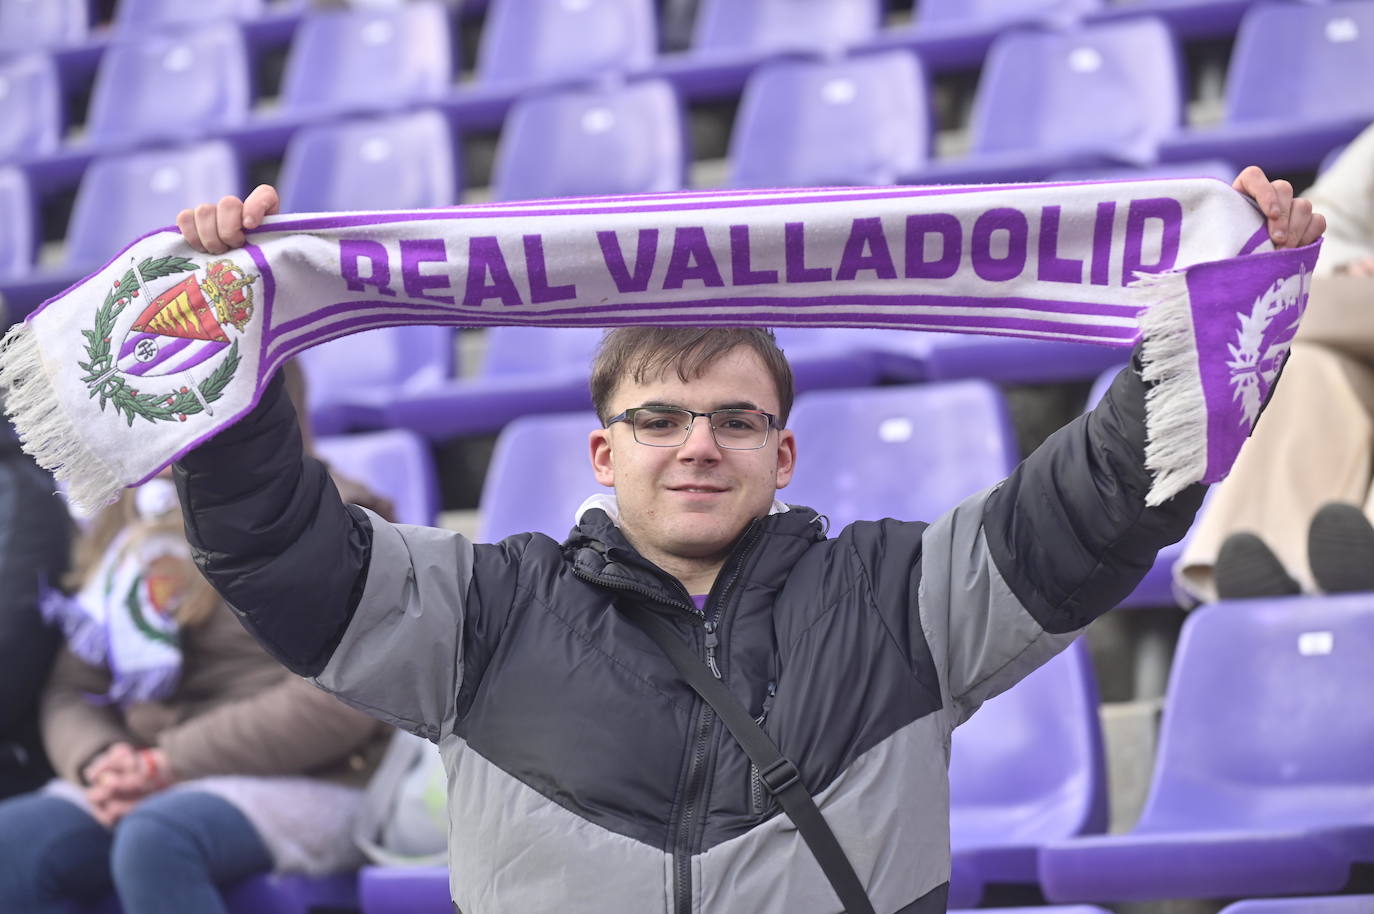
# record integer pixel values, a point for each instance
(1175, 410)
(45, 431)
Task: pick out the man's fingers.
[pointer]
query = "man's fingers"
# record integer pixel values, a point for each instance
(1315, 229)
(186, 221)
(262, 202)
(229, 221)
(1255, 183)
(1280, 226)
(207, 224)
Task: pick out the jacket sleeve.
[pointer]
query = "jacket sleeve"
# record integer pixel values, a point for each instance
(1010, 576)
(289, 728)
(269, 531)
(374, 612)
(74, 729)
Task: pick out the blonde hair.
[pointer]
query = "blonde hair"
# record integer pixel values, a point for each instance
(198, 599)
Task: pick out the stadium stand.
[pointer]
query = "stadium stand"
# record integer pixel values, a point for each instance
(1262, 781)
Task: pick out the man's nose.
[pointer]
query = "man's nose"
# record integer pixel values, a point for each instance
(700, 443)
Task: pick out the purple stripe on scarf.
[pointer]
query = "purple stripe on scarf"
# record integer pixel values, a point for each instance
(164, 353)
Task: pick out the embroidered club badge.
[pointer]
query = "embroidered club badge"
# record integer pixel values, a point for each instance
(184, 329)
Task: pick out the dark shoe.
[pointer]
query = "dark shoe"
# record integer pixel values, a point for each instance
(1246, 568)
(1340, 548)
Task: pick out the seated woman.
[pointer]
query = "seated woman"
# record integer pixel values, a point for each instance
(187, 757)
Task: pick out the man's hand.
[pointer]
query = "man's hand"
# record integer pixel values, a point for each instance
(215, 228)
(1292, 224)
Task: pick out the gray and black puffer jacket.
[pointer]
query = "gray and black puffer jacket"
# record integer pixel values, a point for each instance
(584, 776)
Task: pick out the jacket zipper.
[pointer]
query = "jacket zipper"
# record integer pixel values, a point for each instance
(682, 848)
(757, 798)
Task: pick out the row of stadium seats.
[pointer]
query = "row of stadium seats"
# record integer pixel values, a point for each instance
(1039, 91)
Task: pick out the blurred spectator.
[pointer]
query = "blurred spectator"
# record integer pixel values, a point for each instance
(1315, 443)
(187, 756)
(35, 534)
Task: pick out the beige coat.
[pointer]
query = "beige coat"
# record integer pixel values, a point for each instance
(235, 711)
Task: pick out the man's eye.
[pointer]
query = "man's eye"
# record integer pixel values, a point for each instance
(659, 424)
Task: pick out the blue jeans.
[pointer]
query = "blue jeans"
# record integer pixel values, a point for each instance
(165, 856)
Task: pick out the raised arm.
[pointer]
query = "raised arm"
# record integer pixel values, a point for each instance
(373, 612)
(1012, 575)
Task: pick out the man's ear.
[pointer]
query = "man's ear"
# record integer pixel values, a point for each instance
(787, 456)
(602, 465)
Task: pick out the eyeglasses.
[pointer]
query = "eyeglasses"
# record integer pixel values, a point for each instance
(669, 426)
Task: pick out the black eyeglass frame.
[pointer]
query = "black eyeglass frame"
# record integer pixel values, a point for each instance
(629, 414)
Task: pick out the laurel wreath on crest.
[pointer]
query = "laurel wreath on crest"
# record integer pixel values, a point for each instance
(171, 406)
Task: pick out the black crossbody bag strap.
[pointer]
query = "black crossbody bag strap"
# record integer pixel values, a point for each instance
(779, 776)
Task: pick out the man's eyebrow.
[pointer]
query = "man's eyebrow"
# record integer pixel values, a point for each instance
(667, 404)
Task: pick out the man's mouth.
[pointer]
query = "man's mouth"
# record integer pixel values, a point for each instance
(700, 490)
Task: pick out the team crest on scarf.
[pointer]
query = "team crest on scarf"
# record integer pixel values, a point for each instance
(180, 352)
(1262, 342)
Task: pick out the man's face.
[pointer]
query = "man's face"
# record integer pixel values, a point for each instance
(691, 502)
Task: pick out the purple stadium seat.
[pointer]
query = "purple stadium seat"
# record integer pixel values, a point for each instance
(586, 141)
(951, 34)
(910, 452)
(1025, 770)
(404, 890)
(29, 24)
(30, 107)
(395, 463)
(1048, 101)
(861, 120)
(526, 370)
(732, 37)
(1264, 780)
(1336, 904)
(540, 473)
(275, 893)
(1186, 18)
(529, 42)
(170, 85)
(363, 60)
(17, 235)
(403, 161)
(353, 379)
(1291, 120)
(124, 197)
(141, 14)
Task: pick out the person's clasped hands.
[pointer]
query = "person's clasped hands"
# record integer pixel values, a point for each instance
(120, 777)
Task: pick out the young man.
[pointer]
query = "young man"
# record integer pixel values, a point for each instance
(584, 774)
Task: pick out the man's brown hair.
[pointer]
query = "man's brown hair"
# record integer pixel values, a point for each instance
(640, 354)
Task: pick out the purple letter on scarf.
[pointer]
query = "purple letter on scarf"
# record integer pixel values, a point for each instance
(951, 250)
(794, 254)
(418, 251)
(484, 256)
(1170, 214)
(866, 235)
(691, 259)
(625, 281)
(351, 253)
(1054, 268)
(741, 273)
(1000, 269)
(538, 272)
